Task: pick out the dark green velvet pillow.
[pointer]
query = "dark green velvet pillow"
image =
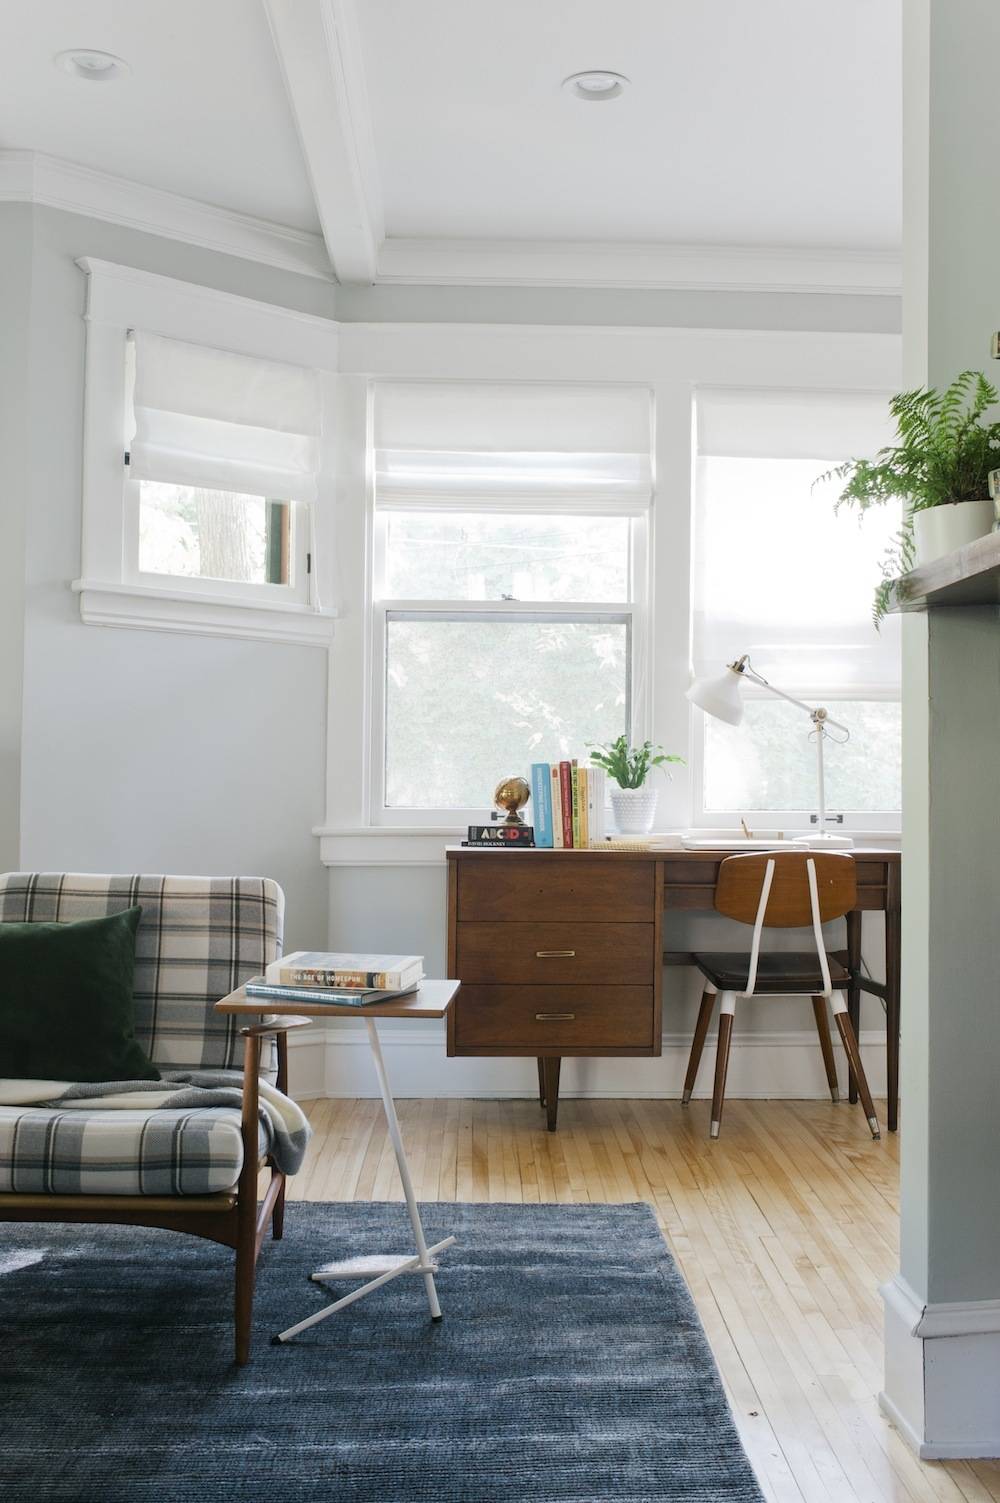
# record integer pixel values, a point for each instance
(66, 1007)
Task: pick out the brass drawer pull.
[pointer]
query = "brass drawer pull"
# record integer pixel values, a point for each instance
(554, 1017)
(554, 954)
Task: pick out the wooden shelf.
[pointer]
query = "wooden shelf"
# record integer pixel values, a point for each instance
(969, 576)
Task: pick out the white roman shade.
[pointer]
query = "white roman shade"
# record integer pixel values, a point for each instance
(747, 424)
(228, 422)
(533, 446)
(777, 572)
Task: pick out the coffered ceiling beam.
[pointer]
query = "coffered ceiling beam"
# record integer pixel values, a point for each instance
(319, 49)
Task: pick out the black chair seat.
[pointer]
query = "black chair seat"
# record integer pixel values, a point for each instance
(791, 972)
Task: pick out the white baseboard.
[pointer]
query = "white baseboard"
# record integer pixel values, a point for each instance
(333, 1060)
(942, 1374)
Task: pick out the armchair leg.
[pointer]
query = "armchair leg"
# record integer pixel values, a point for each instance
(278, 1214)
(246, 1272)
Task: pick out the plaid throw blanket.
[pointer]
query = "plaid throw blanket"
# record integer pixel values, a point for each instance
(286, 1126)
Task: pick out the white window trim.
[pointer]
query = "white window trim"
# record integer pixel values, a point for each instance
(674, 363)
(111, 590)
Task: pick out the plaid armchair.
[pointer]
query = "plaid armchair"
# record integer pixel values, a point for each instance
(195, 1170)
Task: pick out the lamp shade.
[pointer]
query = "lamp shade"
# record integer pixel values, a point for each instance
(720, 696)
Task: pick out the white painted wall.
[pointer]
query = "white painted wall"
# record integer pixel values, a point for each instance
(142, 751)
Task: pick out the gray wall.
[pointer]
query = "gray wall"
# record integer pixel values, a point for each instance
(629, 307)
(146, 751)
(950, 1195)
(15, 298)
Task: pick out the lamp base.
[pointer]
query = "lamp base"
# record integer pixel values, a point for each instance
(824, 841)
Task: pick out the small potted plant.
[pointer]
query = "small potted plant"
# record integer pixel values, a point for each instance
(940, 470)
(633, 800)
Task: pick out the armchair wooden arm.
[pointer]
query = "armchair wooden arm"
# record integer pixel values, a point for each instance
(275, 1025)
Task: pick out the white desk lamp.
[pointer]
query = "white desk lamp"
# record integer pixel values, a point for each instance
(722, 697)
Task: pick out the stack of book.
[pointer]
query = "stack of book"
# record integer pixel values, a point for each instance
(568, 805)
(342, 980)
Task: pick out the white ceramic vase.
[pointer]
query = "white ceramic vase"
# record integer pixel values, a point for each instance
(634, 809)
(941, 529)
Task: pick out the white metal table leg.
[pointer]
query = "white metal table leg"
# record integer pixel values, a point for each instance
(392, 1267)
(404, 1169)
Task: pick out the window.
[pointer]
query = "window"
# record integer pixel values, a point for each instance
(780, 575)
(508, 585)
(204, 461)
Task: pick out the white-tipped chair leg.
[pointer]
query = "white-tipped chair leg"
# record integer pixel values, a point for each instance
(698, 1042)
(842, 1018)
(727, 1009)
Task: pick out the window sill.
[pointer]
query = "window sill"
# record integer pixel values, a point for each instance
(144, 608)
(386, 845)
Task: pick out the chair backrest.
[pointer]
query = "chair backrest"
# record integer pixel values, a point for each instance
(786, 890)
(741, 880)
(198, 938)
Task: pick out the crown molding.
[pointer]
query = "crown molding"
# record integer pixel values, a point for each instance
(33, 177)
(318, 45)
(652, 266)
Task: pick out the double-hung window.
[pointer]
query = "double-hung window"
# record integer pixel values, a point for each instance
(508, 584)
(779, 574)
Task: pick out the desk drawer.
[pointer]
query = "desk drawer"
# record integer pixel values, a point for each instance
(507, 886)
(597, 954)
(565, 1018)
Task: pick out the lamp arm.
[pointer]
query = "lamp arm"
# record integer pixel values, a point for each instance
(819, 716)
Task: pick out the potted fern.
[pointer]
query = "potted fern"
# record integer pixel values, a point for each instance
(940, 471)
(633, 801)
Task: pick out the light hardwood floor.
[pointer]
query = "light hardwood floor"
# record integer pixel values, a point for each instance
(784, 1228)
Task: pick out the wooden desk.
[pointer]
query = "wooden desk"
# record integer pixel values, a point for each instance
(560, 953)
(432, 999)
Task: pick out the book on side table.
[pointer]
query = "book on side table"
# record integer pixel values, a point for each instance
(338, 978)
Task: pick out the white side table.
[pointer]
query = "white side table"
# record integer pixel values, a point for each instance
(431, 1000)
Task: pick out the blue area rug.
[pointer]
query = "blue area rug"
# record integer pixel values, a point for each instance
(570, 1365)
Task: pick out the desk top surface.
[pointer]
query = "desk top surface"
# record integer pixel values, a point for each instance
(431, 999)
(640, 853)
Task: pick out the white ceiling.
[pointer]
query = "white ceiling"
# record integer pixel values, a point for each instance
(203, 112)
(748, 122)
(439, 127)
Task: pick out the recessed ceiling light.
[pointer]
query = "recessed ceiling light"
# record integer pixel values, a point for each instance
(86, 62)
(596, 84)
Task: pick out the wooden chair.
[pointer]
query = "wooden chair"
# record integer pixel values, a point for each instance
(783, 890)
(194, 1171)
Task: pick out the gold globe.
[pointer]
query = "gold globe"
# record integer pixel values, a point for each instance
(512, 794)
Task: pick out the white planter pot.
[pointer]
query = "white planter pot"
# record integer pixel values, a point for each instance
(941, 529)
(634, 809)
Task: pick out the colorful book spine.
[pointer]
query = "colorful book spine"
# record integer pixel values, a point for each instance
(556, 803)
(566, 802)
(309, 996)
(595, 804)
(574, 783)
(310, 976)
(583, 794)
(541, 798)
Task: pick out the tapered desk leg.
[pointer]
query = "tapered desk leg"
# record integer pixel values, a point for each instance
(392, 1121)
(550, 1072)
(853, 992)
(893, 948)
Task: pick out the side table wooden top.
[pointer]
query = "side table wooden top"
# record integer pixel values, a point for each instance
(432, 999)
